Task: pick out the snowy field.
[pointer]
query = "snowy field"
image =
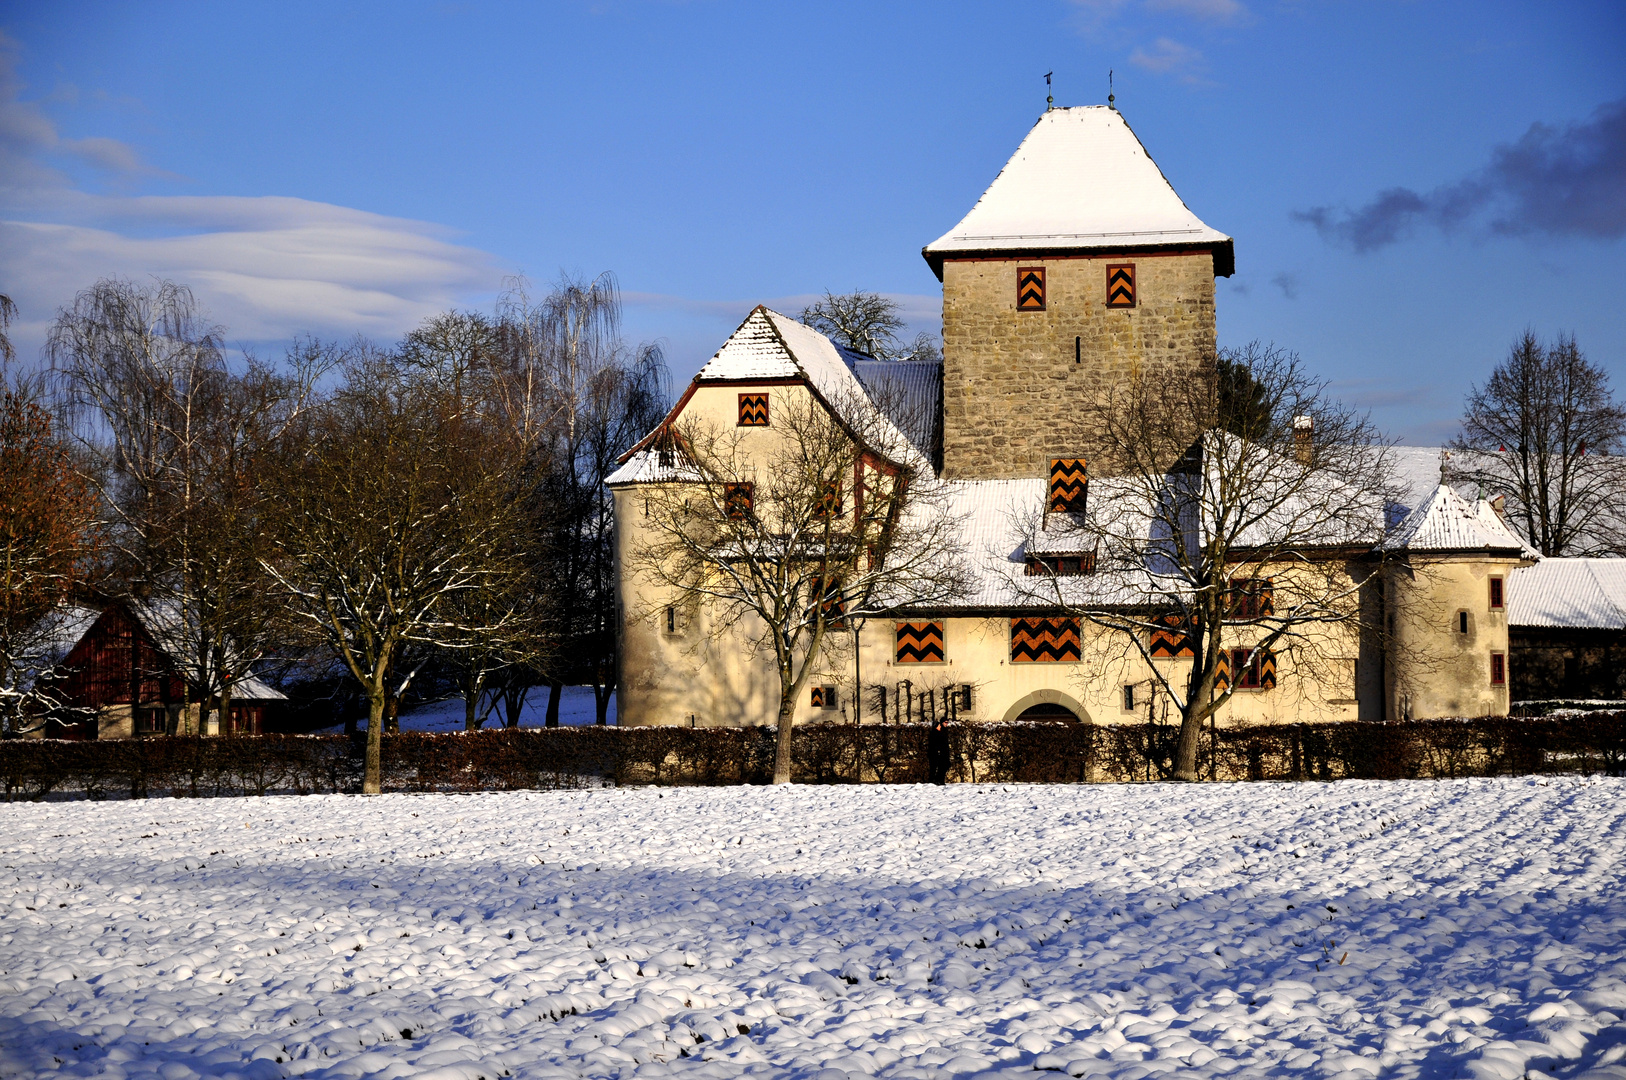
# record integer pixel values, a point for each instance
(1432, 929)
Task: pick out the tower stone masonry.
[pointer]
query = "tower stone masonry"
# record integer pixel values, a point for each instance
(1126, 293)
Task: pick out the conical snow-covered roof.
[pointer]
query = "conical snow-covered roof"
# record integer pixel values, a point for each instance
(1081, 180)
(1447, 522)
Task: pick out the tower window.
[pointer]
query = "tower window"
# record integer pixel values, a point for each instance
(1030, 288)
(1121, 285)
(1069, 486)
(1496, 594)
(1462, 622)
(1129, 697)
(1498, 669)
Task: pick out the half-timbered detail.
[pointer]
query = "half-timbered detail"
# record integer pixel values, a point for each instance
(753, 410)
(1045, 641)
(1069, 485)
(919, 643)
(1121, 285)
(1030, 288)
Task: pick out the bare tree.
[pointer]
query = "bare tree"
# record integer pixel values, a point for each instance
(390, 503)
(179, 439)
(585, 397)
(1543, 430)
(782, 546)
(867, 323)
(1214, 557)
(49, 544)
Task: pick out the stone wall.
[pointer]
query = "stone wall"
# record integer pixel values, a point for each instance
(1011, 383)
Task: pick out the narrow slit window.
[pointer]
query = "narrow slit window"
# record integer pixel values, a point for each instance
(1129, 697)
(1462, 622)
(1496, 594)
(1498, 669)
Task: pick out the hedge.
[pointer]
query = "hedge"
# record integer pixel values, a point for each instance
(507, 760)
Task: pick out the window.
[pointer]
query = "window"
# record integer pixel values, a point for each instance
(1249, 598)
(737, 500)
(1121, 285)
(1044, 641)
(1496, 594)
(1462, 622)
(824, 697)
(753, 410)
(673, 620)
(830, 501)
(962, 698)
(834, 605)
(1069, 485)
(150, 720)
(1498, 669)
(1259, 673)
(1129, 697)
(1030, 288)
(1060, 565)
(1170, 643)
(919, 643)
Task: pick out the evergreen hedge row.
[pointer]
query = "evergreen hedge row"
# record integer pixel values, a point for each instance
(507, 760)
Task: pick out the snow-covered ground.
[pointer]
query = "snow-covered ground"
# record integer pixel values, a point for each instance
(1430, 929)
(576, 707)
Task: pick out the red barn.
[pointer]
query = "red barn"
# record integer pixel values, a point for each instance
(123, 677)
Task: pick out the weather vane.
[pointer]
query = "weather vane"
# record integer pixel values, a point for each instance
(1110, 97)
(1049, 102)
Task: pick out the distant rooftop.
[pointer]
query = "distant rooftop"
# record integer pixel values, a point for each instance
(1080, 181)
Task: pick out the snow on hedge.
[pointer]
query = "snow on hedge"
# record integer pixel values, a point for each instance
(1428, 929)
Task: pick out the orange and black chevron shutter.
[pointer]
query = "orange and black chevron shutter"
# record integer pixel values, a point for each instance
(1044, 641)
(1121, 285)
(1069, 484)
(1267, 670)
(1173, 642)
(737, 500)
(818, 697)
(753, 410)
(1222, 677)
(1030, 288)
(920, 643)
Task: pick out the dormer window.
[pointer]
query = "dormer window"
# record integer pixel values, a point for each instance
(1061, 565)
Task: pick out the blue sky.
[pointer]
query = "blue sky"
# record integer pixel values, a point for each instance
(341, 168)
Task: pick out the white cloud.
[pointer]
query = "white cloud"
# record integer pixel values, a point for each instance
(268, 267)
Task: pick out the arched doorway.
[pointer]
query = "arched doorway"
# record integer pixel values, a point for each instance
(1047, 705)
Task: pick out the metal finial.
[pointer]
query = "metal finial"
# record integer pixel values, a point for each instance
(1110, 97)
(1049, 102)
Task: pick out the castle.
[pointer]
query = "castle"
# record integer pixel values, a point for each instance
(1079, 269)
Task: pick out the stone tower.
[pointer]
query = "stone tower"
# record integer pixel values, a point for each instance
(1079, 268)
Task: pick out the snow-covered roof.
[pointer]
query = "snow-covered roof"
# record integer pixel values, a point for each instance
(910, 392)
(1580, 594)
(1447, 522)
(166, 627)
(1081, 180)
(770, 346)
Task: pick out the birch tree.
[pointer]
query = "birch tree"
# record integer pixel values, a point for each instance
(786, 540)
(178, 440)
(1209, 558)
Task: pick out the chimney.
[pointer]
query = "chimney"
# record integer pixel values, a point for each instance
(1303, 436)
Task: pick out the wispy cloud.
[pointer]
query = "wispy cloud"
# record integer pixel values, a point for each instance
(1166, 56)
(1208, 10)
(268, 267)
(1288, 283)
(1568, 181)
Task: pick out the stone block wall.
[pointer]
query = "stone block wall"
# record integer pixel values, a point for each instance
(1013, 380)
